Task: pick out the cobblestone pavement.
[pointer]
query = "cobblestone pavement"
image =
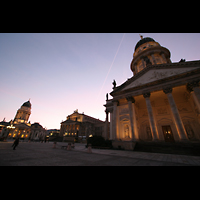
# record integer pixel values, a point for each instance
(43, 154)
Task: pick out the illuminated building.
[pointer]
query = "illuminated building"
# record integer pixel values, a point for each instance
(20, 127)
(160, 103)
(23, 113)
(78, 126)
(37, 132)
(3, 128)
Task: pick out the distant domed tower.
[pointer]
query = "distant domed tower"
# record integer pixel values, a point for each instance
(148, 52)
(23, 113)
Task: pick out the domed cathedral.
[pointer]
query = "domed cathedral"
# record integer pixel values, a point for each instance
(148, 52)
(159, 103)
(23, 113)
(21, 126)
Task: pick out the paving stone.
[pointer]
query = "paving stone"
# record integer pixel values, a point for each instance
(43, 154)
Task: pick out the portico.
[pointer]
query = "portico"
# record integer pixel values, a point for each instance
(159, 103)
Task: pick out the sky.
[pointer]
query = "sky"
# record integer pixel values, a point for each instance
(62, 72)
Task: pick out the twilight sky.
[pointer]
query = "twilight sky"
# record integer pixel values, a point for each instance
(62, 72)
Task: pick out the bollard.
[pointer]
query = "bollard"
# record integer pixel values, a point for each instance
(54, 145)
(89, 148)
(69, 146)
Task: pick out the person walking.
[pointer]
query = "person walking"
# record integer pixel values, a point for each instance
(15, 143)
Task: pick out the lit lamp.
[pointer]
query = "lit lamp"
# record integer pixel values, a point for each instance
(10, 128)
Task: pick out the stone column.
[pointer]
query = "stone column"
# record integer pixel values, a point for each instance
(130, 101)
(115, 120)
(163, 56)
(106, 131)
(136, 68)
(177, 119)
(153, 57)
(151, 117)
(193, 87)
(135, 123)
(111, 122)
(132, 117)
(143, 64)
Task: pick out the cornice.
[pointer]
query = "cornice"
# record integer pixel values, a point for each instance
(160, 66)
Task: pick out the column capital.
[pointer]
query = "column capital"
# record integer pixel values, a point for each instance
(130, 98)
(147, 94)
(115, 101)
(109, 110)
(193, 84)
(167, 90)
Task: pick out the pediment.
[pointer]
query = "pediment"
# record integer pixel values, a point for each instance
(157, 74)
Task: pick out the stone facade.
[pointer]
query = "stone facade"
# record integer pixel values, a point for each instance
(160, 103)
(78, 126)
(20, 127)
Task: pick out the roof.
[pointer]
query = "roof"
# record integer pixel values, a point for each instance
(36, 125)
(3, 123)
(144, 40)
(169, 72)
(22, 126)
(69, 121)
(87, 117)
(27, 104)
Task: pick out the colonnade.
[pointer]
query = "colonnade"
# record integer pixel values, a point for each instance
(192, 87)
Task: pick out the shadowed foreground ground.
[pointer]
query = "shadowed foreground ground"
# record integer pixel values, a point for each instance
(42, 154)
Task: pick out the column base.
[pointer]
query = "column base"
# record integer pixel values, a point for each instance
(155, 140)
(127, 145)
(184, 141)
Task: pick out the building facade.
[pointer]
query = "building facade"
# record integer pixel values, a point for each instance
(37, 132)
(160, 103)
(20, 127)
(78, 126)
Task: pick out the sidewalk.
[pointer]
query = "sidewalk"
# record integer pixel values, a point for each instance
(43, 154)
(179, 159)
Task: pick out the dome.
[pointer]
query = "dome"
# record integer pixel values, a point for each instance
(36, 125)
(27, 104)
(144, 40)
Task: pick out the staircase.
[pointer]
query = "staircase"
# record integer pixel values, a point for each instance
(190, 148)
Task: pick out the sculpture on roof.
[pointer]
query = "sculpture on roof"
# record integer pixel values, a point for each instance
(107, 97)
(114, 84)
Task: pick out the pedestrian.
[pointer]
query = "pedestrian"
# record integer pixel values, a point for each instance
(54, 145)
(15, 143)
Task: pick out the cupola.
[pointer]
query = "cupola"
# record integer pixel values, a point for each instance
(148, 52)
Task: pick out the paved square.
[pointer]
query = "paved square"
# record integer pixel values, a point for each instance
(43, 154)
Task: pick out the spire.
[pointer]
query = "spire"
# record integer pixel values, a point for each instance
(141, 36)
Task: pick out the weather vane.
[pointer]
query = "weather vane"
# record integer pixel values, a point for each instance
(141, 36)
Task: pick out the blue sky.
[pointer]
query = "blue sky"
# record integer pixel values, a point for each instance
(61, 72)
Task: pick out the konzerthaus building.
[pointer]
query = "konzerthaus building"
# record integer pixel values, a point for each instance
(78, 126)
(161, 102)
